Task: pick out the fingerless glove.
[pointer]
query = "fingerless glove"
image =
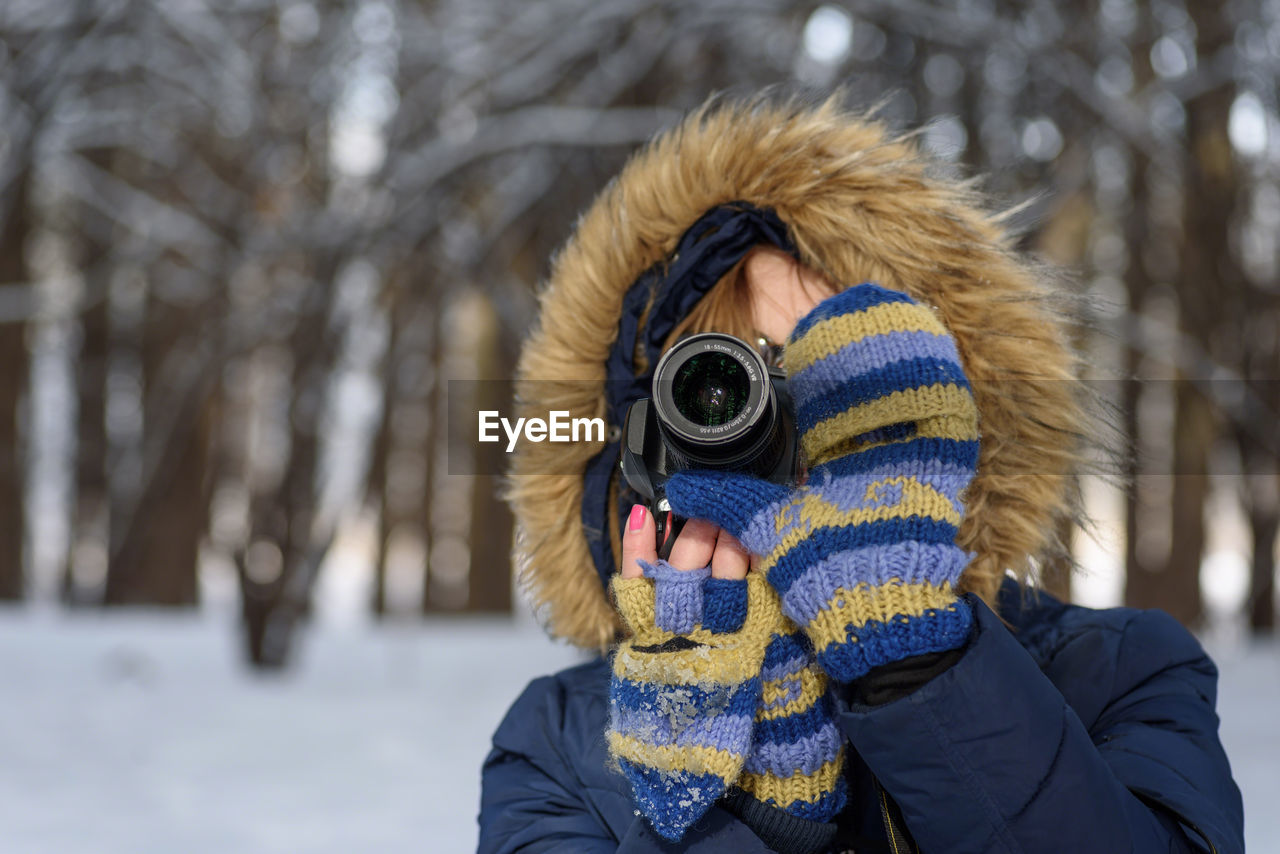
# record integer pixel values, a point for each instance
(685, 688)
(797, 753)
(716, 687)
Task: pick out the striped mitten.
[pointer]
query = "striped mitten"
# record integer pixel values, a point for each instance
(863, 554)
(686, 686)
(717, 687)
(797, 755)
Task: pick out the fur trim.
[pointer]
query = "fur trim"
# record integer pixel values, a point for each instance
(861, 205)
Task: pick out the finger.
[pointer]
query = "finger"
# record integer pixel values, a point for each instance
(638, 541)
(694, 545)
(730, 559)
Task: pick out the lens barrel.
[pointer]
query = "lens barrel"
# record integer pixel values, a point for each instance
(716, 407)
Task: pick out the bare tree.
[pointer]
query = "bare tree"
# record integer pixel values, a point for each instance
(217, 172)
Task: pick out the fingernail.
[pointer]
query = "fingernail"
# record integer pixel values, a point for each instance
(635, 521)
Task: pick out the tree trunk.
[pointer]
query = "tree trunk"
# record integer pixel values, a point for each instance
(1179, 588)
(1262, 572)
(489, 577)
(91, 502)
(156, 560)
(438, 414)
(273, 604)
(1259, 446)
(376, 483)
(89, 521)
(1208, 274)
(1141, 580)
(15, 229)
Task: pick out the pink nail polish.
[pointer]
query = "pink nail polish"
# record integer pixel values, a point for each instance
(635, 521)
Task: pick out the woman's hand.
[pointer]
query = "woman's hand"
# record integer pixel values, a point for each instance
(687, 680)
(699, 544)
(791, 751)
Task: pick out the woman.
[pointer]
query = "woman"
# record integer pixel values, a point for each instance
(857, 662)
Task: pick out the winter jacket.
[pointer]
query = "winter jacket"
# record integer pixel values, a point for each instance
(1069, 730)
(1072, 730)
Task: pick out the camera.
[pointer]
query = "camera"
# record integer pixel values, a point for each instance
(715, 405)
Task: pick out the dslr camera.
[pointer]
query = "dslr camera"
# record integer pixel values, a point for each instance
(715, 405)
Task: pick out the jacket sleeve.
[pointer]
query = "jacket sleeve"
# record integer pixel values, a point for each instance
(537, 796)
(531, 799)
(989, 755)
(523, 808)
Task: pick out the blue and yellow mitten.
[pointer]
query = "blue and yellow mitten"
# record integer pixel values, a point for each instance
(863, 555)
(797, 755)
(713, 688)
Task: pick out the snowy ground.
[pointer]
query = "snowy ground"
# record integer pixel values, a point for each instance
(1249, 706)
(144, 735)
(141, 734)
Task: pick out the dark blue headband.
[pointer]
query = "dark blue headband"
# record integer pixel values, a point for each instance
(706, 251)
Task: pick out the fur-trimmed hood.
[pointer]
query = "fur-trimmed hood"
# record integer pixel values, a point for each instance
(858, 204)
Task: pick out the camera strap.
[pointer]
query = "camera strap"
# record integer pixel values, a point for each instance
(895, 829)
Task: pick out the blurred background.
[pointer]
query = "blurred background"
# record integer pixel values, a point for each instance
(244, 245)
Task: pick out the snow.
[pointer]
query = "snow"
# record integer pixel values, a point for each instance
(141, 732)
(1249, 708)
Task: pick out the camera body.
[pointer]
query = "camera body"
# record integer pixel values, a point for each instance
(715, 405)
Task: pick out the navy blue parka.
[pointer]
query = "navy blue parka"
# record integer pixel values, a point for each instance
(1069, 730)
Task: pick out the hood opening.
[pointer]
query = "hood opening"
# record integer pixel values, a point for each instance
(854, 202)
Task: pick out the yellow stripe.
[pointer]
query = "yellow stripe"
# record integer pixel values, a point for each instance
(691, 759)
(893, 600)
(812, 686)
(785, 791)
(831, 335)
(636, 603)
(705, 666)
(938, 427)
(798, 520)
(914, 404)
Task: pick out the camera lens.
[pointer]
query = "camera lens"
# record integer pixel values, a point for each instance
(711, 388)
(715, 407)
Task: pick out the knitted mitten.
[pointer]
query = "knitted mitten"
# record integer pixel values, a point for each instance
(863, 554)
(686, 686)
(797, 756)
(715, 687)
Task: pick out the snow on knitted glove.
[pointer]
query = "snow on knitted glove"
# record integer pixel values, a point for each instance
(864, 553)
(715, 687)
(686, 686)
(797, 755)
